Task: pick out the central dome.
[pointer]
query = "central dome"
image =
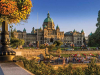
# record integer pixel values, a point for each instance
(48, 19)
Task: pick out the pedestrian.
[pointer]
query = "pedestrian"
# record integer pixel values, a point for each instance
(82, 59)
(67, 60)
(63, 60)
(73, 59)
(97, 48)
(58, 60)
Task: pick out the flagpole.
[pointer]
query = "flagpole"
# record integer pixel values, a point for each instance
(37, 26)
(37, 42)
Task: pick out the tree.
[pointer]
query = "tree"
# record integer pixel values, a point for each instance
(37, 44)
(14, 11)
(58, 51)
(92, 68)
(58, 43)
(50, 47)
(84, 41)
(78, 71)
(42, 46)
(94, 39)
(16, 42)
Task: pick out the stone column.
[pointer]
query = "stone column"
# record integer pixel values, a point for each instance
(6, 53)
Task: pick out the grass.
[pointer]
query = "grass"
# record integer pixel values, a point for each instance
(29, 47)
(75, 48)
(62, 55)
(67, 55)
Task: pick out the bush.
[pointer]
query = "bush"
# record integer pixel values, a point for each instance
(42, 46)
(42, 69)
(51, 47)
(58, 50)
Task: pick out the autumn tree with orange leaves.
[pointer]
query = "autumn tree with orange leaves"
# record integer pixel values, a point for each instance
(13, 11)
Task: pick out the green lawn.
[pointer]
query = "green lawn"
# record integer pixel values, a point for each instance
(67, 55)
(29, 47)
(62, 55)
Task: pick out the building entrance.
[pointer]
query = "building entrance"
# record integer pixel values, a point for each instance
(51, 40)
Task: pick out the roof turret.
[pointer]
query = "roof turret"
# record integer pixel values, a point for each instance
(45, 26)
(82, 31)
(90, 34)
(24, 30)
(57, 26)
(15, 29)
(40, 28)
(74, 30)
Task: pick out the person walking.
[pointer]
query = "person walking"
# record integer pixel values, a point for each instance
(67, 59)
(58, 60)
(73, 59)
(63, 60)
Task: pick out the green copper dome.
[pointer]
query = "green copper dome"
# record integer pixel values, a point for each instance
(90, 34)
(48, 19)
(57, 26)
(82, 31)
(24, 29)
(45, 26)
(15, 29)
(74, 30)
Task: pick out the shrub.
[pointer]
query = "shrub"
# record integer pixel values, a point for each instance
(51, 47)
(42, 46)
(58, 50)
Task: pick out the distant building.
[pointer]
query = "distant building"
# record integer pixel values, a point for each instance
(74, 37)
(49, 34)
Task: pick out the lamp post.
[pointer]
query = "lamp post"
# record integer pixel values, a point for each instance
(6, 53)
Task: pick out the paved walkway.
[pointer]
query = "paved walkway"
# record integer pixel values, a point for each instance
(12, 69)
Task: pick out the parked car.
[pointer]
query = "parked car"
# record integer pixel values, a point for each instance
(69, 49)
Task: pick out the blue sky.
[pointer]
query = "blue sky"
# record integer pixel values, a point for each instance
(68, 14)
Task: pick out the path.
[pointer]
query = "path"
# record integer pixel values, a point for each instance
(12, 69)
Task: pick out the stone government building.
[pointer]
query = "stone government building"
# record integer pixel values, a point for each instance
(49, 34)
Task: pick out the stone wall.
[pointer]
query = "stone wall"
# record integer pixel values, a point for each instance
(29, 53)
(77, 52)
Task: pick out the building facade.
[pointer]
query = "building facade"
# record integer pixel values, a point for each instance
(74, 37)
(48, 33)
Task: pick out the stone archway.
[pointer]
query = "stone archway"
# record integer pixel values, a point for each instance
(51, 40)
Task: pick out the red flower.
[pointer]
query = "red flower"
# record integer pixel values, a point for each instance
(75, 54)
(84, 54)
(25, 7)
(91, 54)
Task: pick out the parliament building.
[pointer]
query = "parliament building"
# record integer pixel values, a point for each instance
(49, 34)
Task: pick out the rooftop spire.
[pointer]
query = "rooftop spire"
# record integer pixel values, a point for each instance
(57, 26)
(48, 15)
(82, 31)
(74, 30)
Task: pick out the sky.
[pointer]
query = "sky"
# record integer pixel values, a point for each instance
(68, 14)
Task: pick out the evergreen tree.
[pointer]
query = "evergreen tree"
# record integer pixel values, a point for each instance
(94, 39)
